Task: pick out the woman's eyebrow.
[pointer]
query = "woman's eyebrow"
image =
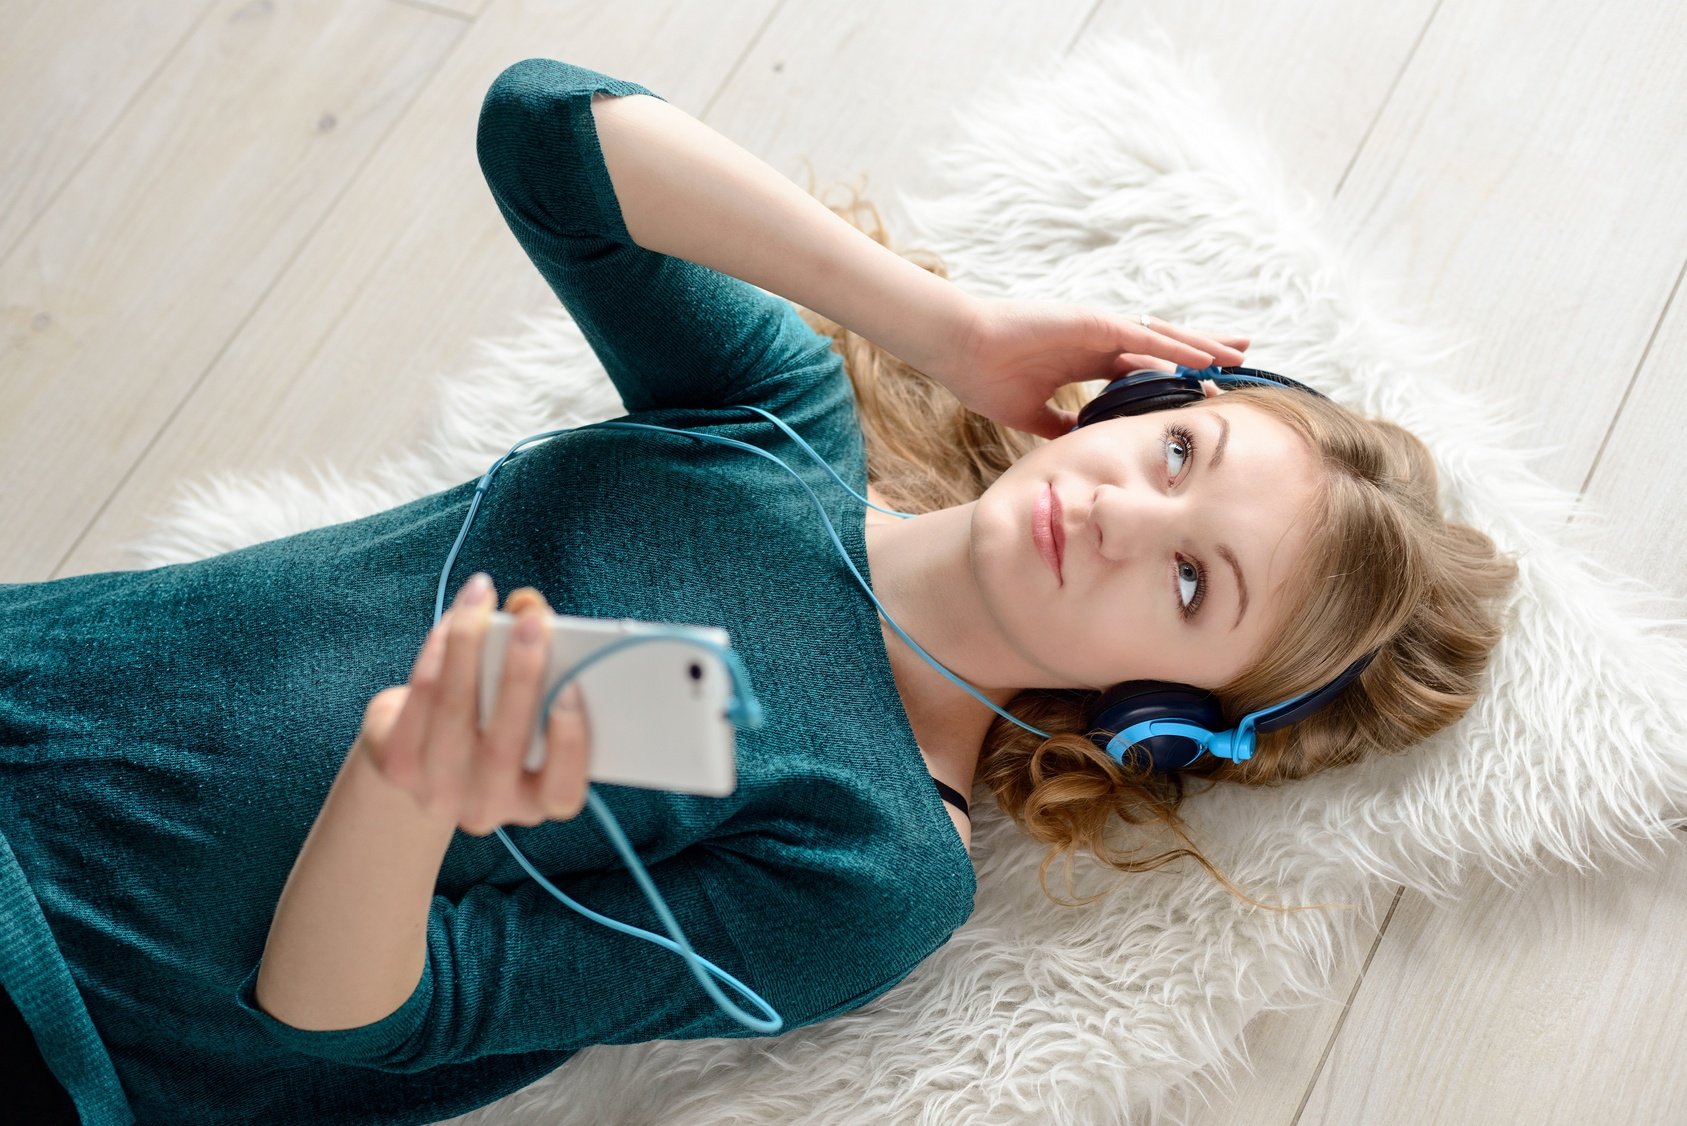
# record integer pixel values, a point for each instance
(1230, 558)
(1224, 549)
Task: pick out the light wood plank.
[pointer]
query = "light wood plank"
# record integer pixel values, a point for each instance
(466, 9)
(1557, 1002)
(174, 230)
(1310, 77)
(857, 91)
(1639, 483)
(1524, 187)
(62, 90)
(412, 266)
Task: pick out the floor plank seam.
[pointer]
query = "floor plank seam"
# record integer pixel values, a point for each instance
(1633, 380)
(1347, 1007)
(1387, 97)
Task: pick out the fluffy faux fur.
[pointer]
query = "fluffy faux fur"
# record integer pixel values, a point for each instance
(1116, 182)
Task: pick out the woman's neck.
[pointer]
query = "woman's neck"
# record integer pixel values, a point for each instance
(948, 722)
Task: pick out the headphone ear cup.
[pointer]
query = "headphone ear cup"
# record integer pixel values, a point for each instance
(1138, 701)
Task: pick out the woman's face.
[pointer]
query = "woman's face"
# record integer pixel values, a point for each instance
(1152, 523)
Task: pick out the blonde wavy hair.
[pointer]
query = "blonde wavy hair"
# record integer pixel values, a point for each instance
(1384, 570)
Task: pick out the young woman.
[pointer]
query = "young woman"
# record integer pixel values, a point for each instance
(247, 866)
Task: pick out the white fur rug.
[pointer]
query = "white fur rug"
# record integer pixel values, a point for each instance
(1113, 179)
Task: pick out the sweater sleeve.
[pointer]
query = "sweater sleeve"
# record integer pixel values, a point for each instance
(669, 332)
(814, 930)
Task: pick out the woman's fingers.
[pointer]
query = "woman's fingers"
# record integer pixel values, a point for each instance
(1240, 343)
(1222, 351)
(495, 794)
(401, 755)
(1128, 362)
(562, 782)
(454, 731)
(1162, 340)
(435, 748)
(558, 790)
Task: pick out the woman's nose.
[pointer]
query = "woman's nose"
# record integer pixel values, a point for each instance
(1132, 520)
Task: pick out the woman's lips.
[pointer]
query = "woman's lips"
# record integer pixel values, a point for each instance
(1057, 525)
(1045, 530)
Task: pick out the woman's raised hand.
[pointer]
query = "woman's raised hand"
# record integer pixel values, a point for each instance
(425, 737)
(1017, 353)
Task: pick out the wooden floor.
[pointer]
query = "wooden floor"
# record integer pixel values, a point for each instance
(244, 234)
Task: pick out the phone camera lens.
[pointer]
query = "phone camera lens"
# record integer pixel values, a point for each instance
(696, 671)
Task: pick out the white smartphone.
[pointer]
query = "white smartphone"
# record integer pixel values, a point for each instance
(656, 710)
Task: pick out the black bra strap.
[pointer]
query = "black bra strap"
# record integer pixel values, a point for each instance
(953, 797)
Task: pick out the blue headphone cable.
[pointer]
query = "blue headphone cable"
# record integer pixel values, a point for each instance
(744, 710)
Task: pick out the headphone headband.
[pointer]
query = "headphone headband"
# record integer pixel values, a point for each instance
(1149, 389)
(1291, 711)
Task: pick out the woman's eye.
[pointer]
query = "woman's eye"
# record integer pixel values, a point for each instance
(1187, 572)
(1175, 447)
(1180, 445)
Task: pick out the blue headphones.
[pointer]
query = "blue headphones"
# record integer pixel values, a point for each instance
(1176, 724)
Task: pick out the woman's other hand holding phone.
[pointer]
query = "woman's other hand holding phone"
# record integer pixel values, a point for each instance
(425, 737)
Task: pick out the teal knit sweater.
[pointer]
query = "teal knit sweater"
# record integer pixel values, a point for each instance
(167, 736)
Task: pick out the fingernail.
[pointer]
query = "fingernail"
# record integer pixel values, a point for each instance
(477, 588)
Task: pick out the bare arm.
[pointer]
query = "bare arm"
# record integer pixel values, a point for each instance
(689, 192)
(349, 938)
